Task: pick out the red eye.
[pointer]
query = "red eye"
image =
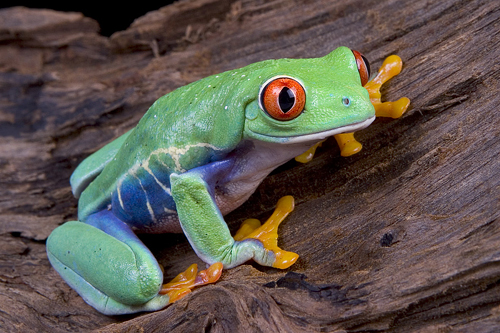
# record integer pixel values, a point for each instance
(283, 98)
(363, 67)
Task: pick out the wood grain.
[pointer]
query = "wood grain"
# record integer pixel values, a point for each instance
(402, 237)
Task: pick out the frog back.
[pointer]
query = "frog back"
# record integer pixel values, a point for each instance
(192, 126)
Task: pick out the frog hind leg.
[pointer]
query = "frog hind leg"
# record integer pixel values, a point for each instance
(182, 284)
(206, 230)
(105, 262)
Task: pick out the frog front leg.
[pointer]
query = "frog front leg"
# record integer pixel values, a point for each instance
(207, 232)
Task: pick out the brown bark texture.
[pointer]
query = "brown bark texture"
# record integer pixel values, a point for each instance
(401, 237)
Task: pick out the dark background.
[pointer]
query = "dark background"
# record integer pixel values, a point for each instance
(111, 18)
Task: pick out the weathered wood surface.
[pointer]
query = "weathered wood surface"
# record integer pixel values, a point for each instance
(401, 237)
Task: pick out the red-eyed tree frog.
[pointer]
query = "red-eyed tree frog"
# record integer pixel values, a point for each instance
(197, 154)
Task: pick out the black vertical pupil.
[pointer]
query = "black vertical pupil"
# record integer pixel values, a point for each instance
(286, 99)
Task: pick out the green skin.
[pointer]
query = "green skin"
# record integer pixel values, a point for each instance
(198, 153)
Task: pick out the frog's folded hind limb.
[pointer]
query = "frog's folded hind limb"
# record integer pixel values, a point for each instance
(113, 276)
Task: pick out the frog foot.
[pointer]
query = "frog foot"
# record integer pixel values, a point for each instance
(348, 144)
(390, 67)
(346, 141)
(182, 284)
(268, 232)
(308, 155)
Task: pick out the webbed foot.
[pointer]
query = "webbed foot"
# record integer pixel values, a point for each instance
(182, 284)
(268, 232)
(391, 67)
(348, 144)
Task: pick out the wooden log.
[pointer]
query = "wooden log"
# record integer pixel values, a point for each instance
(401, 237)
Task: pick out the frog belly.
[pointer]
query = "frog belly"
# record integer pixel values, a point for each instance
(252, 164)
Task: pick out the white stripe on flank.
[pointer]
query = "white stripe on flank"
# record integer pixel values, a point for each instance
(148, 204)
(176, 153)
(170, 211)
(120, 194)
(145, 165)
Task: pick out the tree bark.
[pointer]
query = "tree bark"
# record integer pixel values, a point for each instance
(401, 237)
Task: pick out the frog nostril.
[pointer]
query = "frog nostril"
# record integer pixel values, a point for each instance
(346, 101)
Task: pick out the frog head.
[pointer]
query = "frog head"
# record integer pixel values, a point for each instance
(303, 100)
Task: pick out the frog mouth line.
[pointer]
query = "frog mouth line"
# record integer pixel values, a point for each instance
(319, 135)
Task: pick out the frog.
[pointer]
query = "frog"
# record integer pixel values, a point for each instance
(198, 153)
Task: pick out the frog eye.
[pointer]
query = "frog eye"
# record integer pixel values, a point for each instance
(363, 67)
(283, 98)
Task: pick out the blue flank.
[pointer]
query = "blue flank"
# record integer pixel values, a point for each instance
(146, 197)
(136, 192)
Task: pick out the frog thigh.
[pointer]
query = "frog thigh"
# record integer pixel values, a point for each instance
(93, 165)
(112, 270)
